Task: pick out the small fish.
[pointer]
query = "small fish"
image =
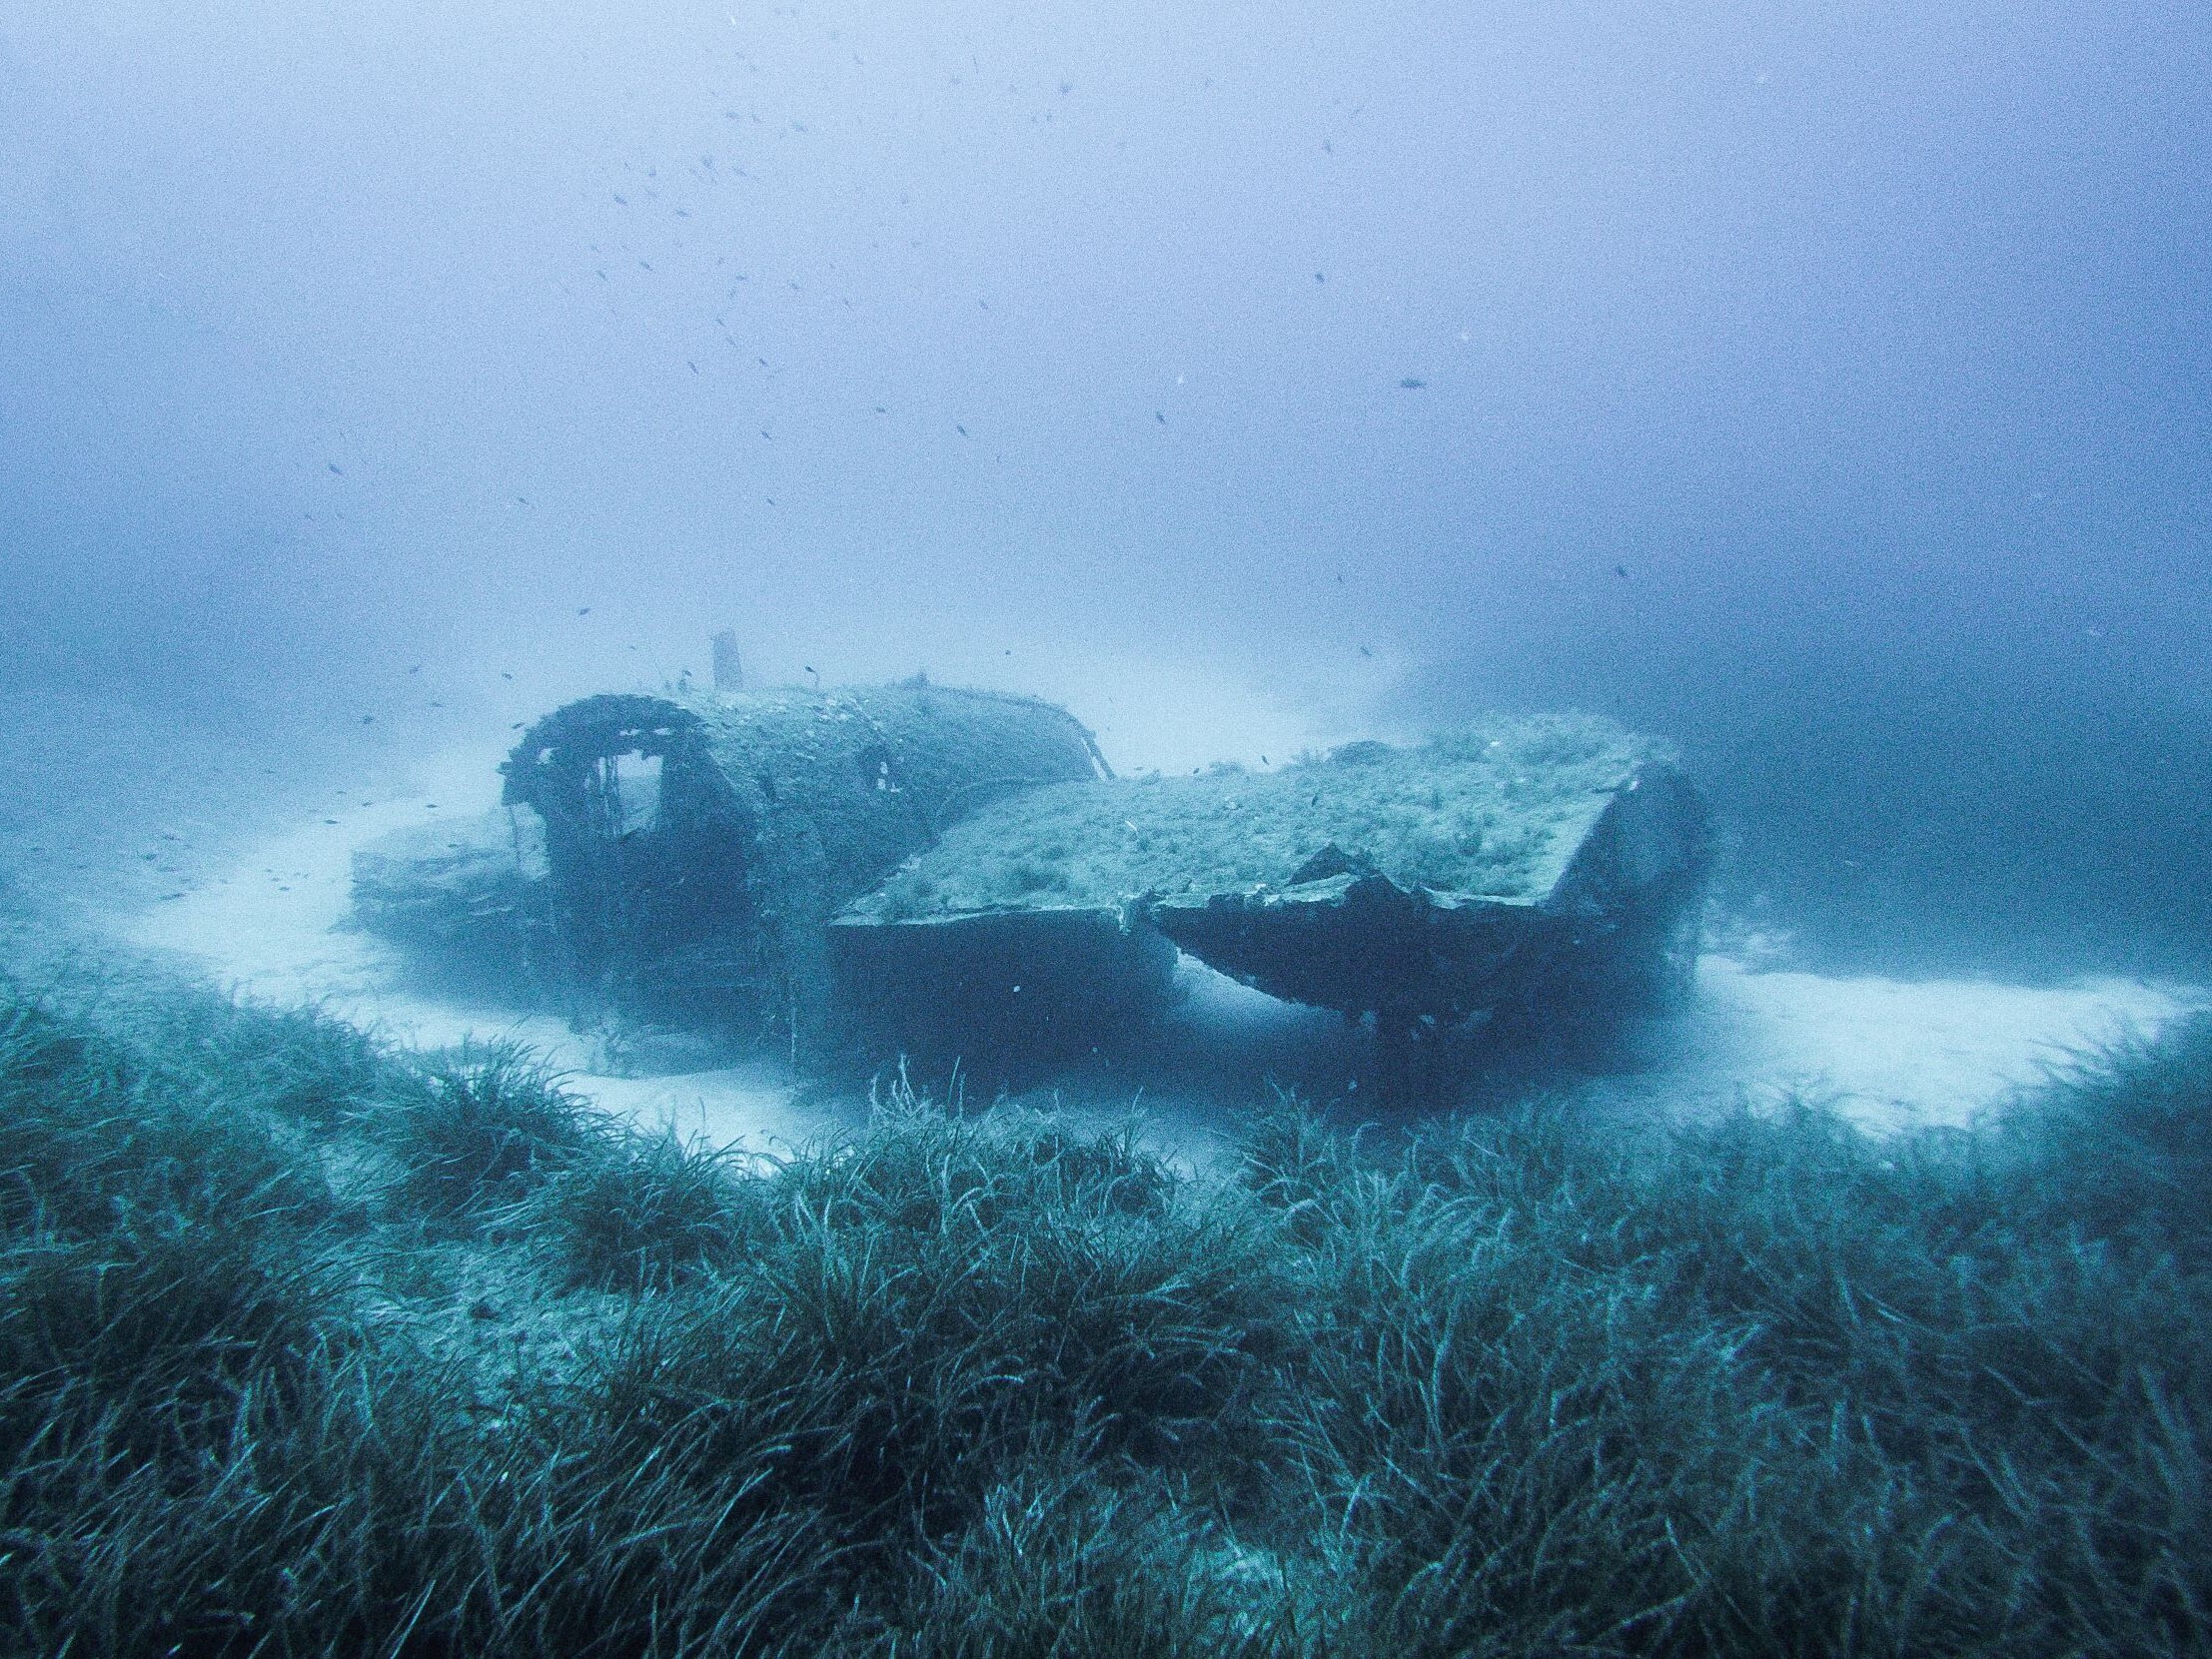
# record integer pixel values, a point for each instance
(1364, 651)
(962, 431)
(1321, 277)
(1411, 385)
(367, 720)
(584, 610)
(340, 470)
(1620, 569)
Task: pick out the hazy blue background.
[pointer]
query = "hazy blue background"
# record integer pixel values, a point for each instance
(1827, 385)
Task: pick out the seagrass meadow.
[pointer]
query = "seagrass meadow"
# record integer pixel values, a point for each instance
(312, 1346)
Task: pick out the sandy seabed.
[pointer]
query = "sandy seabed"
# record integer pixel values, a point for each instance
(1890, 1052)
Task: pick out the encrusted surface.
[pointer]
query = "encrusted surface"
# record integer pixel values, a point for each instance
(1495, 810)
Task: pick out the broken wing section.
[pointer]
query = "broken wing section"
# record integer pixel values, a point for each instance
(1534, 864)
(1616, 932)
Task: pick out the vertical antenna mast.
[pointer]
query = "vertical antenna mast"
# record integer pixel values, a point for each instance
(729, 668)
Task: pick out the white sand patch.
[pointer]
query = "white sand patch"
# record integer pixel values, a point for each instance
(1889, 1053)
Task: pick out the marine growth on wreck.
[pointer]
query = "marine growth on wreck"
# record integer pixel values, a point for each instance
(919, 865)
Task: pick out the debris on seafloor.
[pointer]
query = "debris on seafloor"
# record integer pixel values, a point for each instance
(467, 902)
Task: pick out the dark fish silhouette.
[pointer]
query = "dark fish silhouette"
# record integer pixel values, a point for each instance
(1411, 385)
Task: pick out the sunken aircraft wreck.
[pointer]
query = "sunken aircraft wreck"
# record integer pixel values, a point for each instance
(946, 871)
